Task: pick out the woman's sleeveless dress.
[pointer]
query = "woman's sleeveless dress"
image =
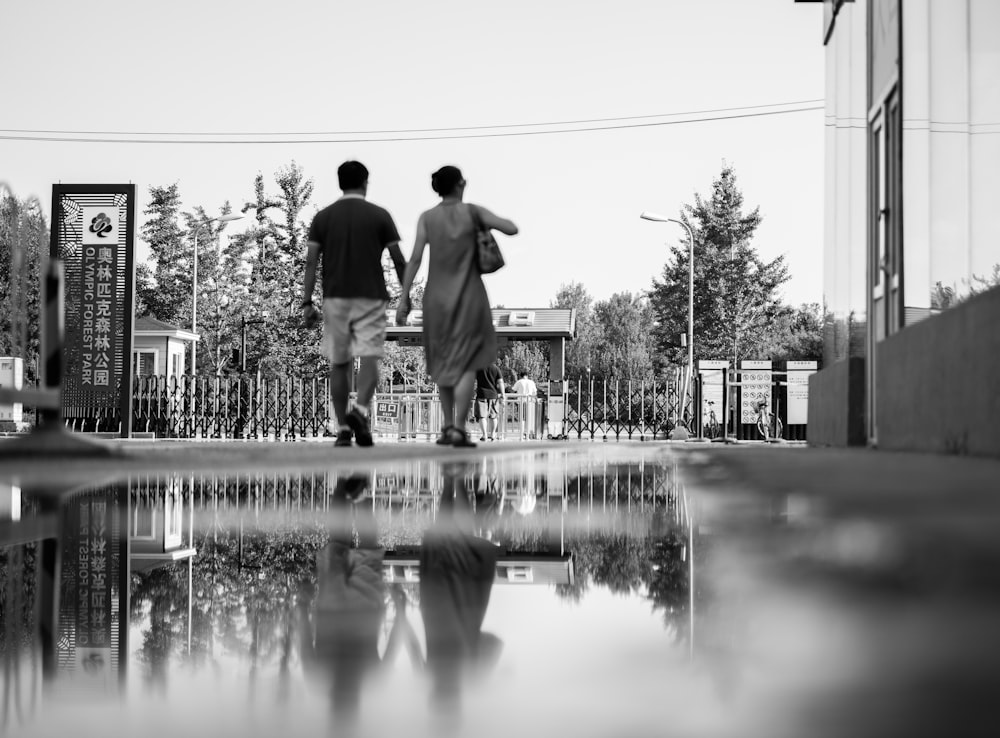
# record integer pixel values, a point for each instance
(458, 324)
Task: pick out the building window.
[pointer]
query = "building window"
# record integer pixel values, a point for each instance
(886, 218)
(143, 363)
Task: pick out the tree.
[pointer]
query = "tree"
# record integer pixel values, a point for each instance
(579, 351)
(796, 334)
(735, 291)
(528, 356)
(945, 296)
(24, 241)
(285, 346)
(165, 291)
(623, 327)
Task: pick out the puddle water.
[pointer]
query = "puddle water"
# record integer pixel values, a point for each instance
(585, 589)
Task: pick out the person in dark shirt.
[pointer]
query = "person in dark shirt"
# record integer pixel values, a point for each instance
(490, 394)
(350, 236)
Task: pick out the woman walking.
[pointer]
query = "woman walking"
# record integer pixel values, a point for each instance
(458, 326)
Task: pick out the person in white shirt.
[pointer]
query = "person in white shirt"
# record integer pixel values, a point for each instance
(526, 392)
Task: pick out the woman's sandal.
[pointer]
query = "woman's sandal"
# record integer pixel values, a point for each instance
(446, 438)
(460, 438)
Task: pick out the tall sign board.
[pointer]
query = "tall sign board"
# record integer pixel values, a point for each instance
(93, 233)
(755, 380)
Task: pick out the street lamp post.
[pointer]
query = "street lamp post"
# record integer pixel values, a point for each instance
(194, 283)
(690, 335)
(243, 340)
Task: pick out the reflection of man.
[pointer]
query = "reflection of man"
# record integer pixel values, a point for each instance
(339, 633)
(490, 392)
(457, 570)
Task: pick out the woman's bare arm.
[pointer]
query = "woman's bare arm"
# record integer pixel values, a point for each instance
(490, 220)
(412, 267)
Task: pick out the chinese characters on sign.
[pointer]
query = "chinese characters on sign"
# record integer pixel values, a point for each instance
(798, 390)
(93, 586)
(94, 581)
(387, 416)
(99, 242)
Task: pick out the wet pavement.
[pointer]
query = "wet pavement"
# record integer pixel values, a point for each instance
(632, 589)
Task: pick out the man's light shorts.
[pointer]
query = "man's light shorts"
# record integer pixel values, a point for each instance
(353, 326)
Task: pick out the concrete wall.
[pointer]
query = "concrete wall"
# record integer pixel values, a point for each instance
(938, 382)
(836, 404)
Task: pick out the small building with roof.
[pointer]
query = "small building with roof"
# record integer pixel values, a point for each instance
(159, 349)
(553, 325)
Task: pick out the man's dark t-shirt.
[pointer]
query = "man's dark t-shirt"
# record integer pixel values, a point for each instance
(352, 233)
(488, 383)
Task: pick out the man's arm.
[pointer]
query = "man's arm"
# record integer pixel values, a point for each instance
(398, 261)
(309, 312)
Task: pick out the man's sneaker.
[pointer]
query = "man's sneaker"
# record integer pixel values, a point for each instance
(359, 424)
(343, 438)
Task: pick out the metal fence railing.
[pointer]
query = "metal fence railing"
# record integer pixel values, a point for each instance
(288, 408)
(616, 409)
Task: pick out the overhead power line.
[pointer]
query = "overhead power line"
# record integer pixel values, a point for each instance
(374, 136)
(35, 131)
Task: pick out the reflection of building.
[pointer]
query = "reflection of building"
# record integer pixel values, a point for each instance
(512, 568)
(156, 529)
(105, 535)
(912, 142)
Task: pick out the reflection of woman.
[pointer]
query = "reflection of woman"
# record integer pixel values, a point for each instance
(458, 326)
(457, 570)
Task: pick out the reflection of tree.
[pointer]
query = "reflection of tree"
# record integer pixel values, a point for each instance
(655, 565)
(244, 589)
(164, 592)
(18, 566)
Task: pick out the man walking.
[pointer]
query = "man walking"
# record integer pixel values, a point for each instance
(350, 235)
(489, 391)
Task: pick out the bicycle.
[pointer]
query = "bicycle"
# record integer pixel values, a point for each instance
(768, 423)
(711, 427)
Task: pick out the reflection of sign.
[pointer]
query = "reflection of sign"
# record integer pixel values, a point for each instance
(755, 387)
(94, 588)
(93, 666)
(387, 416)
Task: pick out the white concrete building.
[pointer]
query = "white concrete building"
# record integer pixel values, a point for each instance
(912, 183)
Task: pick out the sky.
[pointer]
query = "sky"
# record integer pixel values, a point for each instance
(295, 78)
